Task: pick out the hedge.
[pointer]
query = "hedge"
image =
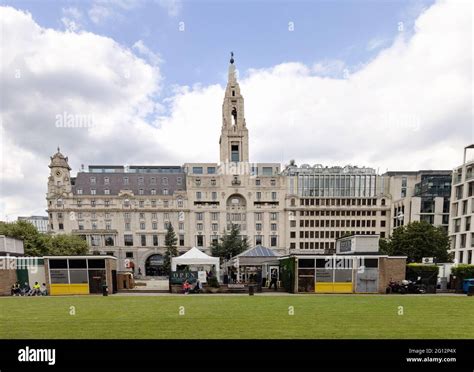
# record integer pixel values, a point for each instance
(463, 271)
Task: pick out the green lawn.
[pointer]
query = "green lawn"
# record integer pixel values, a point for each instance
(330, 316)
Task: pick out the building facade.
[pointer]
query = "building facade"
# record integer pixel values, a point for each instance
(40, 222)
(124, 211)
(462, 211)
(419, 196)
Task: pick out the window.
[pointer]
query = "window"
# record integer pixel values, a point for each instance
(267, 171)
(166, 216)
(108, 225)
(141, 192)
(257, 182)
(106, 192)
(93, 203)
(109, 241)
(211, 170)
(142, 225)
(258, 216)
(258, 226)
(165, 191)
(179, 181)
(214, 195)
(273, 226)
(155, 240)
(153, 191)
(125, 180)
(143, 240)
(128, 254)
(199, 227)
(198, 195)
(181, 226)
(197, 170)
(106, 180)
(259, 195)
(274, 195)
(95, 240)
(106, 203)
(274, 216)
(258, 240)
(141, 180)
(154, 225)
(164, 181)
(61, 226)
(199, 216)
(180, 203)
(128, 240)
(79, 191)
(214, 216)
(93, 191)
(272, 182)
(234, 156)
(153, 181)
(141, 203)
(153, 203)
(92, 179)
(200, 241)
(198, 181)
(215, 227)
(181, 240)
(273, 241)
(127, 226)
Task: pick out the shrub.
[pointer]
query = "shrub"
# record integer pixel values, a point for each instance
(213, 282)
(463, 271)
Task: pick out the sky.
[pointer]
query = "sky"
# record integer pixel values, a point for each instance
(385, 84)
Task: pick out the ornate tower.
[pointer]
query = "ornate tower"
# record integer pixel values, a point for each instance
(234, 140)
(59, 181)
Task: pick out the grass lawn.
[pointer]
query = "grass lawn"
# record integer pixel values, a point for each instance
(235, 317)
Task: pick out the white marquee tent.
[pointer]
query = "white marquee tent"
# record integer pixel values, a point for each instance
(195, 257)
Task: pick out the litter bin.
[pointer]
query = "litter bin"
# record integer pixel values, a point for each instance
(251, 290)
(467, 284)
(105, 290)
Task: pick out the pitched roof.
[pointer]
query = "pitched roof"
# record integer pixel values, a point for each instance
(258, 251)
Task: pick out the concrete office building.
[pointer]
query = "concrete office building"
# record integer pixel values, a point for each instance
(419, 196)
(461, 229)
(40, 222)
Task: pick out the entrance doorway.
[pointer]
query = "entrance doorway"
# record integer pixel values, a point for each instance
(154, 265)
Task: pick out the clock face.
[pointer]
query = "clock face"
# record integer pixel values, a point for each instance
(58, 173)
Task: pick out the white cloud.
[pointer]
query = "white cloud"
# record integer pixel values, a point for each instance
(99, 13)
(376, 43)
(408, 108)
(152, 57)
(71, 19)
(173, 7)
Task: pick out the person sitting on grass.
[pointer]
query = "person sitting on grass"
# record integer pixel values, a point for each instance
(186, 287)
(17, 289)
(43, 290)
(197, 287)
(26, 290)
(36, 289)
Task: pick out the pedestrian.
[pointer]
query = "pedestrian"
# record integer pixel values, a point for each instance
(274, 278)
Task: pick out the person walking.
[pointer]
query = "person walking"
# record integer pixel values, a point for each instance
(273, 280)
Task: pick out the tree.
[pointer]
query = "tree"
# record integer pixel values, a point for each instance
(231, 244)
(37, 244)
(171, 249)
(417, 240)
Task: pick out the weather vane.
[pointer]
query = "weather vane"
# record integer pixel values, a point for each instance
(231, 57)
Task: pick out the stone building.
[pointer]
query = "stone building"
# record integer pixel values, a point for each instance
(124, 211)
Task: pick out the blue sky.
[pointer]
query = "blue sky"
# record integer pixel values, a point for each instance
(257, 31)
(347, 86)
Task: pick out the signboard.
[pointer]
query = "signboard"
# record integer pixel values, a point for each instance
(345, 245)
(202, 276)
(178, 277)
(427, 260)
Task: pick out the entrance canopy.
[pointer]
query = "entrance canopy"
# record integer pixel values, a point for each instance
(195, 257)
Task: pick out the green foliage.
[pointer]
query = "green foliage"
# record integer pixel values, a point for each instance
(171, 249)
(37, 244)
(230, 245)
(213, 282)
(287, 273)
(463, 271)
(422, 267)
(417, 240)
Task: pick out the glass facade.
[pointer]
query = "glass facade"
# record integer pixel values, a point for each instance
(329, 185)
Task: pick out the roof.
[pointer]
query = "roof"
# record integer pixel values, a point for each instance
(93, 257)
(259, 251)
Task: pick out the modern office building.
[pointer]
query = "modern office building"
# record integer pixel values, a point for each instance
(40, 222)
(461, 229)
(419, 196)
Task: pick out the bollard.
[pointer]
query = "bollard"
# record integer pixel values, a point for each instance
(251, 290)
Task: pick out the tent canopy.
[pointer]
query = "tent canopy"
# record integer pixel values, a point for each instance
(195, 257)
